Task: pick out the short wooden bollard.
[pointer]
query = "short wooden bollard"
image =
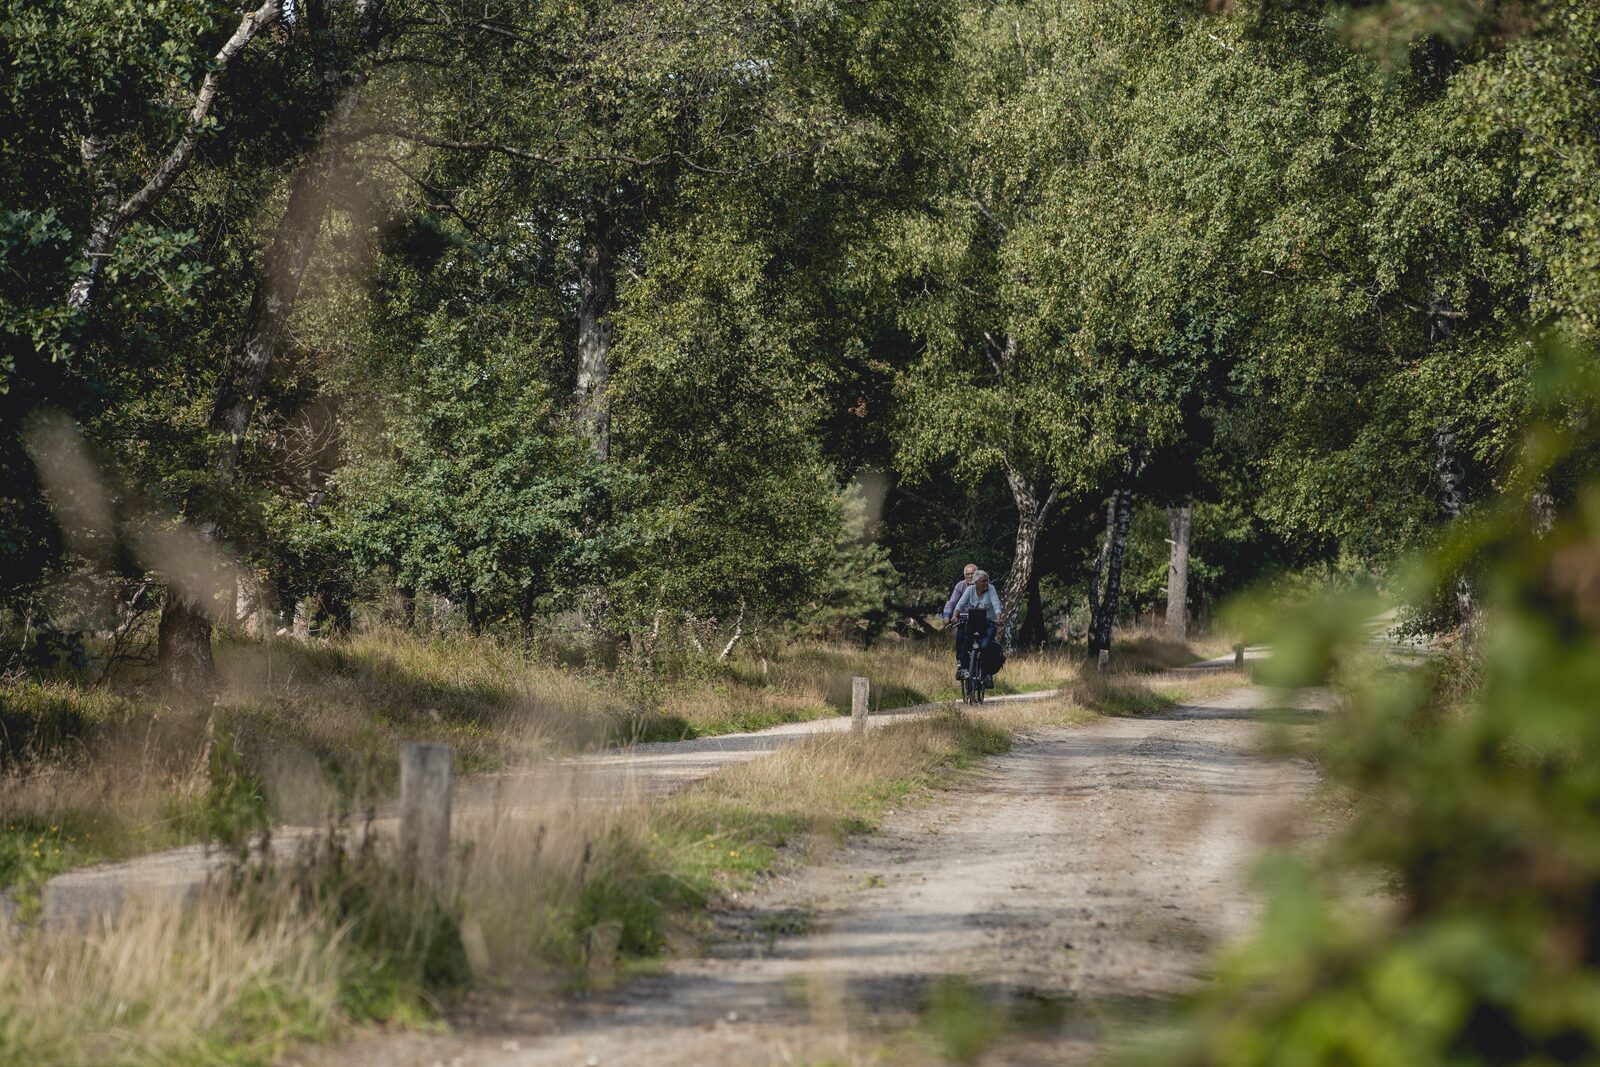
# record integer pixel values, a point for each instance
(1238, 657)
(860, 688)
(1103, 661)
(425, 772)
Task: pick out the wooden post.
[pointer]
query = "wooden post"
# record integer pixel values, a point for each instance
(1238, 657)
(859, 690)
(1103, 662)
(425, 772)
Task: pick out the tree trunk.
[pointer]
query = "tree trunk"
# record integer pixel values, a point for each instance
(1181, 522)
(1097, 576)
(300, 628)
(1447, 468)
(183, 645)
(1032, 634)
(1031, 514)
(597, 297)
(525, 619)
(733, 642)
(103, 230)
(1542, 508)
(276, 290)
(1111, 595)
(335, 608)
(278, 285)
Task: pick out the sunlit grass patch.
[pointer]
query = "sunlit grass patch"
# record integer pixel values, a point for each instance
(1128, 694)
(219, 983)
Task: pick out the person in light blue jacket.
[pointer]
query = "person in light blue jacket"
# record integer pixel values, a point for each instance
(979, 595)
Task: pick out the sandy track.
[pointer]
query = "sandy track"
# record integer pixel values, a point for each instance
(1095, 868)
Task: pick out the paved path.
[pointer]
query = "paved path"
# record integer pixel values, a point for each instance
(651, 769)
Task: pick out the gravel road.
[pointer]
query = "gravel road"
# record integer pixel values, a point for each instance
(1087, 875)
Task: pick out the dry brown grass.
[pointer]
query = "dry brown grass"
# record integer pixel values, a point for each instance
(589, 886)
(546, 887)
(483, 697)
(315, 727)
(806, 681)
(1120, 693)
(542, 891)
(213, 984)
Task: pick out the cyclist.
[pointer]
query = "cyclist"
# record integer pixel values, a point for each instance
(979, 596)
(961, 587)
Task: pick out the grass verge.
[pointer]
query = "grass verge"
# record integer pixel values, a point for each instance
(543, 888)
(541, 892)
(612, 889)
(301, 731)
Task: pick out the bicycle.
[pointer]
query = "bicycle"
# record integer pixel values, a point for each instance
(975, 624)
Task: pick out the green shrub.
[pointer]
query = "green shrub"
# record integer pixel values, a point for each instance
(1478, 803)
(231, 807)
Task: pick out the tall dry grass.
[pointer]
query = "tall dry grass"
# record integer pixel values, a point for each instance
(544, 882)
(552, 882)
(300, 732)
(220, 983)
(812, 680)
(542, 889)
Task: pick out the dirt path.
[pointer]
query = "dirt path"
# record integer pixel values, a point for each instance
(1087, 875)
(652, 769)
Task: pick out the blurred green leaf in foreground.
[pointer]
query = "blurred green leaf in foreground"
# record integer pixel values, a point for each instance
(1457, 919)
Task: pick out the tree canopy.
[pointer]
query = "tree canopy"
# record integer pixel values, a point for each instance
(736, 314)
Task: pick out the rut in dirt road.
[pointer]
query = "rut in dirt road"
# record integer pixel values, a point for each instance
(1095, 867)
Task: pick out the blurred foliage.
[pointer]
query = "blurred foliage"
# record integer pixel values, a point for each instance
(1476, 782)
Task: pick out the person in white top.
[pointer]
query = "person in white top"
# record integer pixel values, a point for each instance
(980, 594)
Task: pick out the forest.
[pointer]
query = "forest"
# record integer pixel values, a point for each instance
(591, 319)
(543, 374)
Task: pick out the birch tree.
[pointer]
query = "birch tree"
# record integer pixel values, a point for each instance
(115, 207)
(1016, 377)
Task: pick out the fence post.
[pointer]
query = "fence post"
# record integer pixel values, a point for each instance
(1238, 657)
(1103, 661)
(859, 690)
(425, 771)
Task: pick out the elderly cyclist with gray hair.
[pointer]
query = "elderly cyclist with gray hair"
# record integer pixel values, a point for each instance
(967, 572)
(979, 601)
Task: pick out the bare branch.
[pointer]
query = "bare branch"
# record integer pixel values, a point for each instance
(113, 216)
